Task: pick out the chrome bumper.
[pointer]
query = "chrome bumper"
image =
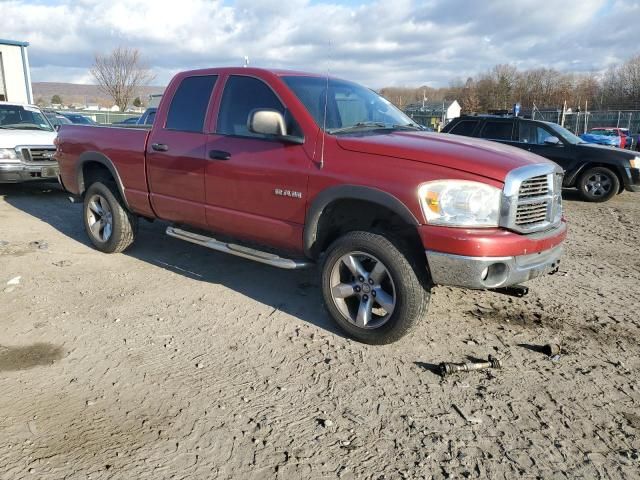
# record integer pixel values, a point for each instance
(22, 172)
(490, 272)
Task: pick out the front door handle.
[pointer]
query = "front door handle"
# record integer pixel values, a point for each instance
(219, 155)
(160, 147)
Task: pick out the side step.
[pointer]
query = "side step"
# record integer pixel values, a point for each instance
(238, 250)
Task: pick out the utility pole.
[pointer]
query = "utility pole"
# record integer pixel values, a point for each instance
(586, 115)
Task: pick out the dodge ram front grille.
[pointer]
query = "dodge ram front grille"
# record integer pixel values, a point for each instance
(534, 187)
(38, 154)
(532, 198)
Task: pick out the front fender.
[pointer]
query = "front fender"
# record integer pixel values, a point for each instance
(348, 192)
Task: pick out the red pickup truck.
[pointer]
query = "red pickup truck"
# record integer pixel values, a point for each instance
(291, 169)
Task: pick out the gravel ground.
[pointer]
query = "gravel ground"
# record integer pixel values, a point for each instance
(172, 361)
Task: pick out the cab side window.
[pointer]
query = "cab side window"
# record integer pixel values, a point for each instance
(241, 96)
(189, 104)
(497, 130)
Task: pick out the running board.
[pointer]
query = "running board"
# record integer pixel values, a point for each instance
(237, 250)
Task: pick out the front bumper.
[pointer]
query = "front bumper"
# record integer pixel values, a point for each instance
(21, 172)
(491, 272)
(633, 177)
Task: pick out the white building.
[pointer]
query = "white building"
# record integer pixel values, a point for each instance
(15, 77)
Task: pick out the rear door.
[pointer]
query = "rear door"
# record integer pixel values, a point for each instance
(176, 160)
(256, 187)
(498, 129)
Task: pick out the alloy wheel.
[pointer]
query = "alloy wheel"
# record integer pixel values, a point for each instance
(362, 289)
(598, 184)
(99, 218)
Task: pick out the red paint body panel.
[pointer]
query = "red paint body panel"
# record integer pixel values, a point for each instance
(236, 196)
(486, 242)
(483, 158)
(125, 146)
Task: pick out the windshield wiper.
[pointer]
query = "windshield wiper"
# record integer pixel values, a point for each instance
(359, 126)
(7, 127)
(408, 126)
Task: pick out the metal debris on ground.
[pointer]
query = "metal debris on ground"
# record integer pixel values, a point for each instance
(552, 349)
(448, 368)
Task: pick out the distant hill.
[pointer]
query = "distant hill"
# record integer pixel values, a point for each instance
(81, 94)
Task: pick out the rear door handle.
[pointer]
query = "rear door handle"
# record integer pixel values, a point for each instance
(219, 155)
(160, 147)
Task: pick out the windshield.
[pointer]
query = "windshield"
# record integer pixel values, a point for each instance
(16, 117)
(56, 119)
(601, 131)
(566, 134)
(350, 107)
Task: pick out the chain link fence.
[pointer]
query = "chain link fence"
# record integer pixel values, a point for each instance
(580, 122)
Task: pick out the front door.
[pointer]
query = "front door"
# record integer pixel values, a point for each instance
(176, 159)
(256, 186)
(532, 136)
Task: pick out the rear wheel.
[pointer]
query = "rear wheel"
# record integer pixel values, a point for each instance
(598, 184)
(109, 225)
(371, 289)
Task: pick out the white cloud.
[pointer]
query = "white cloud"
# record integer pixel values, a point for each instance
(400, 42)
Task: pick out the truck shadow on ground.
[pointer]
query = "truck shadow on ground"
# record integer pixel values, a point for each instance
(29, 356)
(296, 292)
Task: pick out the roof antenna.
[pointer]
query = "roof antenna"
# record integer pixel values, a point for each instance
(246, 61)
(324, 116)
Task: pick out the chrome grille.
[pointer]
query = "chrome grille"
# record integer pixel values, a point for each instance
(532, 198)
(38, 154)
(531, 213)
(534, 187)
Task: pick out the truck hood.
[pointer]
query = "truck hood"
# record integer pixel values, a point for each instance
(13, 138)
(480, 157)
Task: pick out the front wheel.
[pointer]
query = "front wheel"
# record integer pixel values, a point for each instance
(371, 289)
(598, 184)
(109, 225)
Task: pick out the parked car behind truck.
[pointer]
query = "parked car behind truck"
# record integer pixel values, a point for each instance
(274, 167)
(26, 144)
(598, 172)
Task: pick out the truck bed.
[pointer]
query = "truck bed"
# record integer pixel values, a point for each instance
(123, 146)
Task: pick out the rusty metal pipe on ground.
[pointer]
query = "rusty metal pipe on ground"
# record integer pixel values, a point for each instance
(448, 368)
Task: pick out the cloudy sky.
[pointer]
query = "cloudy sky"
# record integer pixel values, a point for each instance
(393, 42)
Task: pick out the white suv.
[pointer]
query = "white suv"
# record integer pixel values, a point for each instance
(26, 144)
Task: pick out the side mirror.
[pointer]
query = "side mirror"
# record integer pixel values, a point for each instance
(56, 127)
(267, 122)
(552, 141)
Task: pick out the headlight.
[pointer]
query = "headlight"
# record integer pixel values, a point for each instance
(9, 155)
(635, 162)
(460, 203)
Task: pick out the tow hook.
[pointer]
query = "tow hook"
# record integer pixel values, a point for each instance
(513, 291)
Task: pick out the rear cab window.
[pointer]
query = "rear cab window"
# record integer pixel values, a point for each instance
(497, 130)
(189, 104)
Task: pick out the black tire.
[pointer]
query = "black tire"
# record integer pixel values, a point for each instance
(124, 224)
(598, 184)
(409, 282)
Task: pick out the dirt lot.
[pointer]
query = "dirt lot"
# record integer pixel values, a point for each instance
(171, 361)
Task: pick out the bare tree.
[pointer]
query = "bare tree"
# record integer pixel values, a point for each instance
(469, 100)
(120, 74)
